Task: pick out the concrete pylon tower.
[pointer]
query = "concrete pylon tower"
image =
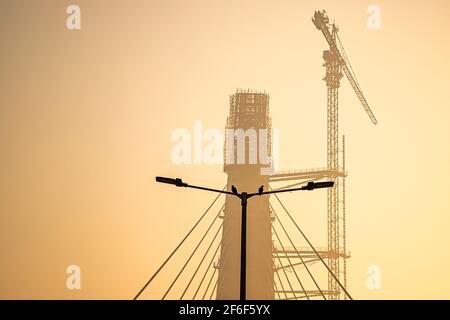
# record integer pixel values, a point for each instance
(248, 141)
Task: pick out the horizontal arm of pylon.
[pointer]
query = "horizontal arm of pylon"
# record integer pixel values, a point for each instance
(296, 264)
(310, 293)
(315, 174)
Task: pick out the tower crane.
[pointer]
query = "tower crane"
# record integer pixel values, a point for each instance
(336, 61)
(337, 53)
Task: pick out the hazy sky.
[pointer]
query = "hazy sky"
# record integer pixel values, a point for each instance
(87, 116)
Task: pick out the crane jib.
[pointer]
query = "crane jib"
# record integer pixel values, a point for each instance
(321, 21)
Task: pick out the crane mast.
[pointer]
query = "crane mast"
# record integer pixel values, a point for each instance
(336, 64)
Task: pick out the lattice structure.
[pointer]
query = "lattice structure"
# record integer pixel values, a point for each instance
(332, 79)
(336, 63)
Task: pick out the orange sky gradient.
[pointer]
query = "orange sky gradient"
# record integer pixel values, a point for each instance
(87, 115)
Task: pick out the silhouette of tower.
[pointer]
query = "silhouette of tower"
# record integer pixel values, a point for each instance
(248, 136)
(336, 65)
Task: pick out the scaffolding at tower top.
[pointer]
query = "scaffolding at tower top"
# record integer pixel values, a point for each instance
(249, 109)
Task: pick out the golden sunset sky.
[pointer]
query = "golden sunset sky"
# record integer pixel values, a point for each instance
(86, 118)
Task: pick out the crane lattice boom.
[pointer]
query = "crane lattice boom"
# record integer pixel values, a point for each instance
(321, 21)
